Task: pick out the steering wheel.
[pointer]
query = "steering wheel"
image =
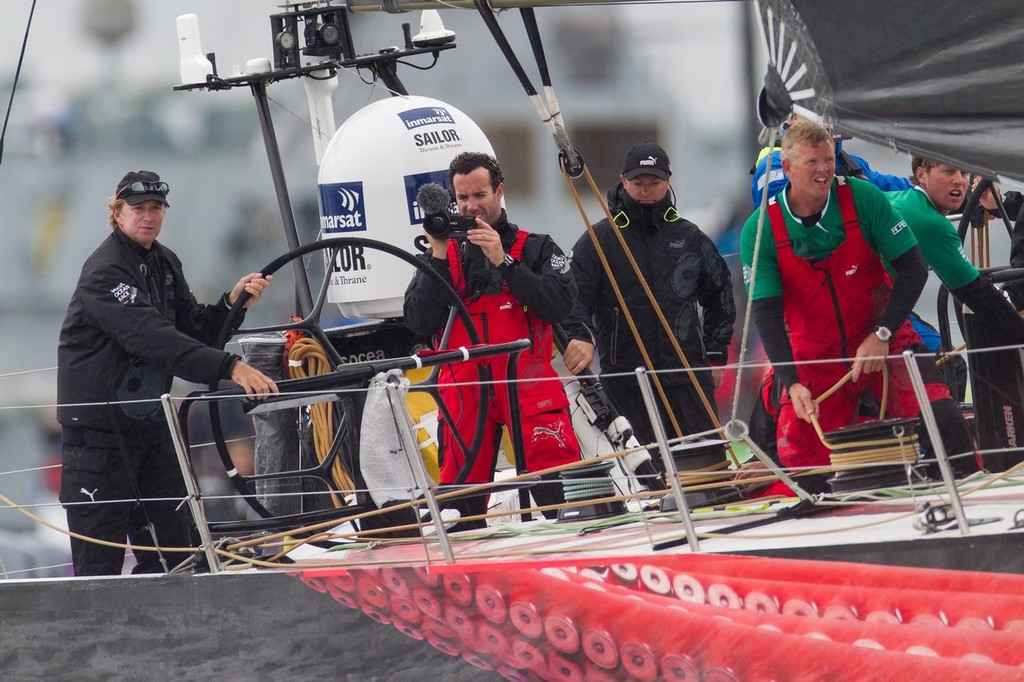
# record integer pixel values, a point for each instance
(311, 325)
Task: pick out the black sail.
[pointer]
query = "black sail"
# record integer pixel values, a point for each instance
(940, 79)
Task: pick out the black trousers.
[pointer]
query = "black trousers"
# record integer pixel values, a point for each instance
(101, 489)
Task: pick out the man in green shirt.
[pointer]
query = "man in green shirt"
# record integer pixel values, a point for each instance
(819, 290)
(940, 189)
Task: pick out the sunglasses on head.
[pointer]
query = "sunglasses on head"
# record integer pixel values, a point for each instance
(140, 187)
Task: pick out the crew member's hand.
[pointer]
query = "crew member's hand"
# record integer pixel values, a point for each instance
(870, 356)
(255, 382)
(753, 469)
(717, 375)
(438, 247)
(577, 355)
(254, 283)
(988, 199)
(803, 402)
(489, 241)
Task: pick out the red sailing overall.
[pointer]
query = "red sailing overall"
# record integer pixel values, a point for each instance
(547, 429)
(831, 305)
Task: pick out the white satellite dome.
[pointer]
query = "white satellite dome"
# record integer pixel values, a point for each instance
(369, 176)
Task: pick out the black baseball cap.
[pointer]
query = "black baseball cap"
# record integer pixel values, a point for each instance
(138, 186)
(646, 158)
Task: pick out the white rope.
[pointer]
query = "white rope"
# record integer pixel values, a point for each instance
(745, 334)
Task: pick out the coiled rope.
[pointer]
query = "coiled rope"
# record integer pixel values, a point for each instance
(900, 449)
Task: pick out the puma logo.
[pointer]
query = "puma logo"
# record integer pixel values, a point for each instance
(92, 495)
(851, 271)
(539, 431)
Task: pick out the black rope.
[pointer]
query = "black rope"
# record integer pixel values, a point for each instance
(506, 49)
(17, 74)
(569, 158)
(533, 32)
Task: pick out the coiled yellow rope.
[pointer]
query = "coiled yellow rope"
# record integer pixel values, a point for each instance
(879, 451)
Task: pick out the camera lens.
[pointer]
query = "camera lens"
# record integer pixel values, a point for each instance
(329, 34)
(436, 224)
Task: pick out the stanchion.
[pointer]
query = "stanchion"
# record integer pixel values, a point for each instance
(419, 471)
(666, 457)
(195, 501)
(937, 445)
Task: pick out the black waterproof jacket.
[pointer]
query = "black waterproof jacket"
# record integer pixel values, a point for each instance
(688, 277)
(541, 281)
(133, 325)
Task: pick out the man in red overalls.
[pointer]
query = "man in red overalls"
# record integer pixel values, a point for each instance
(515, 284)
(820, 271)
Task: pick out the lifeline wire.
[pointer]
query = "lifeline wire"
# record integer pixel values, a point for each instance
(17, 73)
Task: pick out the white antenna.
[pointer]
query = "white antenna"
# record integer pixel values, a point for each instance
(319, 87)
(432, 31)
(195, 67)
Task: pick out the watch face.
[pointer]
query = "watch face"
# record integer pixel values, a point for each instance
(883, 333)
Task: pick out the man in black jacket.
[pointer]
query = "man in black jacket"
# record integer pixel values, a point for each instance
(689, 280)
(133, 325)
(516, 285)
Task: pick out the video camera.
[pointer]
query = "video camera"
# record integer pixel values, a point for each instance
(438, 219)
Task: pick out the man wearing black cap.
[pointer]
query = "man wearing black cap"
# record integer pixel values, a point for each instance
(131, 327)
(689, 280)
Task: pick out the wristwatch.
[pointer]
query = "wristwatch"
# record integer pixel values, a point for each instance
(883, 334)
(506, 265)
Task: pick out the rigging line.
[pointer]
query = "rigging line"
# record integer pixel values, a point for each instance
(85, 538)
(553, 110)
(745, 334)
(571, 162)
(17, 74)
(533, 32)
(28, 371)
(573, 165)
(549, 114)
(484, 9)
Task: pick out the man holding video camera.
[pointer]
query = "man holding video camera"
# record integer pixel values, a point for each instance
(515, 285)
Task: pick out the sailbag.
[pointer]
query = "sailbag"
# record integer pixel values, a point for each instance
(949, 89)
